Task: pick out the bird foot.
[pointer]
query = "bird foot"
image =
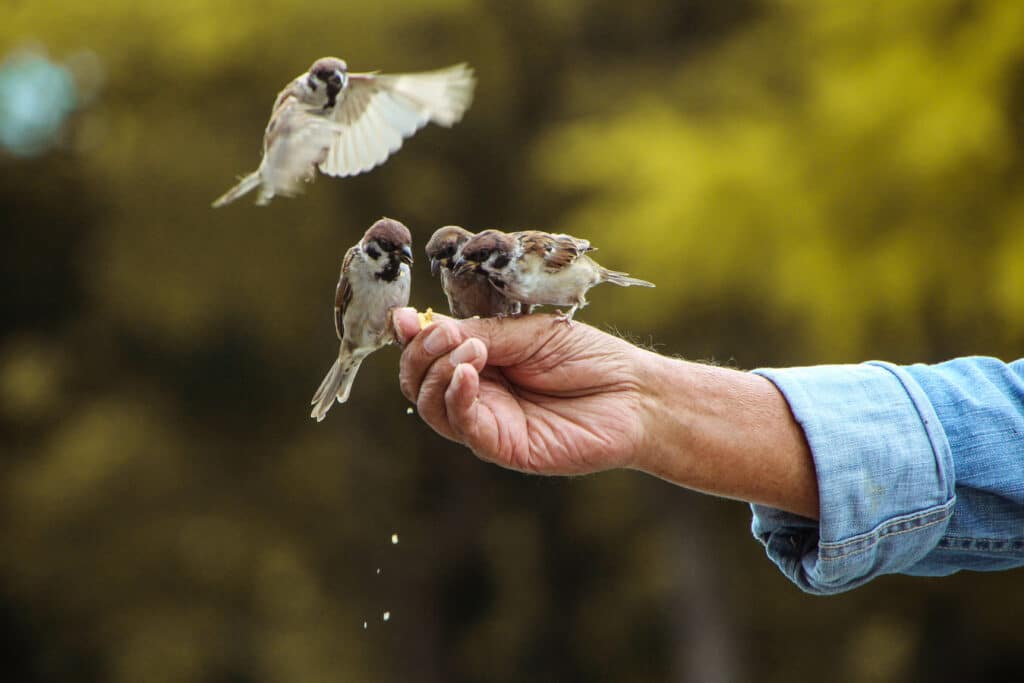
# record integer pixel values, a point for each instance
(564, 318)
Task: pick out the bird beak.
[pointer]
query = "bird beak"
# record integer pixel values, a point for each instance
(435, 267)
(461, 267)
(406, 255)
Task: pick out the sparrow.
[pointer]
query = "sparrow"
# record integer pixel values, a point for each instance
(374, 279)
(347, 123)
(468, 294)
(539, 268)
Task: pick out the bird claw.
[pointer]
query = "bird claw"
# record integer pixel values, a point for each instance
(564, 317)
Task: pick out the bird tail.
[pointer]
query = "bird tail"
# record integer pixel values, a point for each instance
(337, 383)
(623, 279)
(246, 184)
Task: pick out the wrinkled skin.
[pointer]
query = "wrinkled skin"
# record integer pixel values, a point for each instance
(526, 393)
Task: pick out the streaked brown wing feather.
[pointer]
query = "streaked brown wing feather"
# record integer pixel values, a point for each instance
(272, 126)
(559, 250)
(343, 294)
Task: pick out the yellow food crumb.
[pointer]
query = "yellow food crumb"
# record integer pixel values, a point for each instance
(426, 317)
(409, 411)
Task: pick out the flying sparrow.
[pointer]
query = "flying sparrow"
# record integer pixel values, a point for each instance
(375, 279)
(347, 123)
(538, 268)
(470, 293)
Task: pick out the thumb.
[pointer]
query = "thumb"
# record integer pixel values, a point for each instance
(472, 421)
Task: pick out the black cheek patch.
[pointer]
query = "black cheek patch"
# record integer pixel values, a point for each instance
(373, 253)
(501, 262)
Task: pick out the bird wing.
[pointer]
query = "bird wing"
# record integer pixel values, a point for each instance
(343, 293)
(377, 112)
(559, 251)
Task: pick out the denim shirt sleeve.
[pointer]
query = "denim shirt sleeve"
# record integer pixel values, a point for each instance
(920, 471)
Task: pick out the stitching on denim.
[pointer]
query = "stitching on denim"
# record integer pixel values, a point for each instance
(866, 541)
(871, 543)
(1007, 545)
(876, 541)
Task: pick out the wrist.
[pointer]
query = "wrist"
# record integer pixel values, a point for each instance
(725, 432)
(666, 418)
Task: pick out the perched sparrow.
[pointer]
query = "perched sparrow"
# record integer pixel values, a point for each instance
(538, 268)
(345, 124)
(374, 279)
(468, 294)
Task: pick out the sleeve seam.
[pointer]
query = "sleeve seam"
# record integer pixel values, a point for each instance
(831, 550)
(972, 544)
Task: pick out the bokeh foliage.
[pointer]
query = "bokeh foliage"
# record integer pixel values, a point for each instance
(805, 181)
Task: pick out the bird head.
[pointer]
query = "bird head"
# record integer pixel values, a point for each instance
(489, 252)
(444, 245)
(328, 75)
(388, 242)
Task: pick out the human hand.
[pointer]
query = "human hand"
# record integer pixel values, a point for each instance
(526, 393)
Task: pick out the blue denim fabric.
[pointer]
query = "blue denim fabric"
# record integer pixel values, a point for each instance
(920, 471)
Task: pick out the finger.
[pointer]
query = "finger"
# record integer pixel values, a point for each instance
(430, 403)
(471, 421)
(407, 324)
(437, 339)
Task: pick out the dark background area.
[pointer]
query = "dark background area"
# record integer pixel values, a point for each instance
(806, 183)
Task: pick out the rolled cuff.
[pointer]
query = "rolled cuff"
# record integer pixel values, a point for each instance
(885, 477)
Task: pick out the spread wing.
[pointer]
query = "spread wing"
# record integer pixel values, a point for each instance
(343, 294)
(378, 111)
(559, 250)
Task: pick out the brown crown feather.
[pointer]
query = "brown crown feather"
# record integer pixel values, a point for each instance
(448, 236)
(388, 230)
(488, 240)
(328, 65)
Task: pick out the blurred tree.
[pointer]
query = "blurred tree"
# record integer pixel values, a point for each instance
(805, 182)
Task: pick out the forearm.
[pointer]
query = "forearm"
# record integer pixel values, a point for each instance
(724, 432)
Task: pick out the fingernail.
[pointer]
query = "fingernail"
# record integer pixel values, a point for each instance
(464, 353)
(438, 340)
(457, 377)
(399, 334)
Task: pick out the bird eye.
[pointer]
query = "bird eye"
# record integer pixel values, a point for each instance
(485, 254)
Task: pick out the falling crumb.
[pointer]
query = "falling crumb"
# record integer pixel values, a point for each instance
(365, 625)
(394, 539)
(426, 317)
(387, 615)
(378, 571)
(409, 411)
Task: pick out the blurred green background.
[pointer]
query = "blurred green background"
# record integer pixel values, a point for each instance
(806, 181)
